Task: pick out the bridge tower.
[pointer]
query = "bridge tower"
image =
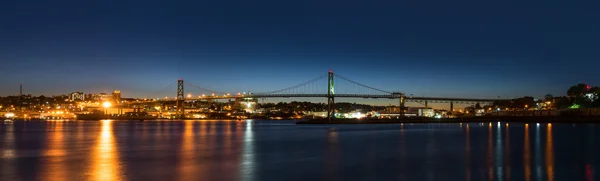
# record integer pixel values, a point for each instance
(402, 101)
(330, 97)
(180, 100)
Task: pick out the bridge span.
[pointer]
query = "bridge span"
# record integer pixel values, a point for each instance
(311, 88)
(366, 96)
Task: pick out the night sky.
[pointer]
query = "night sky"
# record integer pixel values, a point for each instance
(475, 48)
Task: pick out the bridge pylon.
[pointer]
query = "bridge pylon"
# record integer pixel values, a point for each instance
(180, 100)
(330, 97)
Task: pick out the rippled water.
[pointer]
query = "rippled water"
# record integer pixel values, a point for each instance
(281, 150)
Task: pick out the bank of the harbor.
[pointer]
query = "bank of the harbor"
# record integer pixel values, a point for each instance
(524, 119)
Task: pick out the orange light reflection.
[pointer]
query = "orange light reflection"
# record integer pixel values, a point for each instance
(490, 153)
(549, 153)
(507, 152)
(527, 155)
(187, 165)
(468, 153)
(105, 164)
(55, 152)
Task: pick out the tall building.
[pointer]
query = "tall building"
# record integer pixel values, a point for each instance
(77, 96)
(100, 97)
(117, 96)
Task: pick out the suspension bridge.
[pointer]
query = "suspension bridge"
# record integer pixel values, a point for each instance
(328, 86)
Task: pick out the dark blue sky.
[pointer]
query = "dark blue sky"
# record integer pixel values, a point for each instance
(459, 48)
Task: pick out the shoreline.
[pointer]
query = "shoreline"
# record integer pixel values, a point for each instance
(422, 120)
(515, 119)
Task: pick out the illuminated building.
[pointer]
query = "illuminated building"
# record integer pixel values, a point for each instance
(116, 96)
(99, 97)
(247, 104)
(77, 96)
(426, 112)
(591, 96)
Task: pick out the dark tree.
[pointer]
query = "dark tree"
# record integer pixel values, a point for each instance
(577, 90)
(548, 97)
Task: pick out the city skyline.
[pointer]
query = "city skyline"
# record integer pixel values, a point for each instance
(197, 92)
(459, 49)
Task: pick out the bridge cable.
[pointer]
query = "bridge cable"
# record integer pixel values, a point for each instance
(296, 86)
(337, 75)
(204, 89)
(170, 86)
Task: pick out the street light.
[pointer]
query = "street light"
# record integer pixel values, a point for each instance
(106, 105)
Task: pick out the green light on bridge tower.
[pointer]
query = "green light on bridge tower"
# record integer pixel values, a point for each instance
(330, 96)
(180, 100)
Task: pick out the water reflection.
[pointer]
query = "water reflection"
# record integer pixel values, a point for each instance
(538, 153)
(221, 150)
(80, 132)
(490, 153)
(229, 149)
(248, 160)
(430, 156)
(403, 152)
(549, 153)
(205, 151)
(9, 141)
(332, 155)
(507, 152)
(8, 150)
(187, 165)
(498, 154)
(55, 167)
(105, 163)
(468, 153)
(527, 154)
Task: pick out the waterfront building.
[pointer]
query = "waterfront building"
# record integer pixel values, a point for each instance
(77, 96)
(116, 96)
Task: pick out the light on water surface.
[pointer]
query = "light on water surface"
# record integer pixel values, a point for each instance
(105, 164)
(272, 150)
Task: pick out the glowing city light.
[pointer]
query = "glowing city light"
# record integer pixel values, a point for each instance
(106, 104)
(574, 106)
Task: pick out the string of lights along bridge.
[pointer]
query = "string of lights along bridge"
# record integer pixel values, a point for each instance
(328, 86)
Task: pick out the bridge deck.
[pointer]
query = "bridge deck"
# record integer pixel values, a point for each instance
(407, 99)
